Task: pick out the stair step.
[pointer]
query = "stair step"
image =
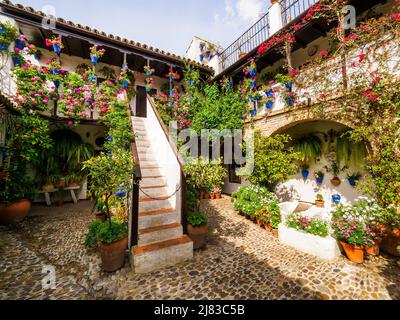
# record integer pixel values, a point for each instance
(151, 205)
(160, 233)
(162, 254)
(155, 218)
(158, 193)
(152, 182)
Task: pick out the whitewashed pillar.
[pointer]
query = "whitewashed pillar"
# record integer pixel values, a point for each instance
(275, 17)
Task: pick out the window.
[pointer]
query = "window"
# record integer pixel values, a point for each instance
(233, 178)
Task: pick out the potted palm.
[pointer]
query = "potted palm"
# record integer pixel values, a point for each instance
(197, 229)
(111, 176)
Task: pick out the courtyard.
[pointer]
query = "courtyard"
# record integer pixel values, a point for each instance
(241, 261)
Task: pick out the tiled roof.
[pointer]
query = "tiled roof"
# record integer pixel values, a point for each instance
(95, 32)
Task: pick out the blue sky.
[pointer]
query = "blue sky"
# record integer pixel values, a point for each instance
(166, 24)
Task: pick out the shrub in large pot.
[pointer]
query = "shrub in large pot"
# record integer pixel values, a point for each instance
(389, 225)
(197, 229)
(111, 175)
(15, 198)
(111, 238)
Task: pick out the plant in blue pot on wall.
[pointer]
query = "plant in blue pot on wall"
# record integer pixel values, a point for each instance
(8, 34)
(56, 43)
(305, 171)
(96, 54)
(319, 176)
(336, 198)
(353, 178)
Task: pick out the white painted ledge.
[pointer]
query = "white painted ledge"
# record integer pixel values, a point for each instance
(324, 248)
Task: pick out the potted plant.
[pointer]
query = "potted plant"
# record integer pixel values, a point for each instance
(319, 176)
(309, 147)
(390, 229)
(8, 34)
(319, 202)
(217, 191)
(197, 229)
(353, 178)
(96, 54)
(56, 43)
(304, 171)
(111, 176)
(335, 169)
(15, 198)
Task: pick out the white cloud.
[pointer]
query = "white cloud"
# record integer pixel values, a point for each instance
(250, 10)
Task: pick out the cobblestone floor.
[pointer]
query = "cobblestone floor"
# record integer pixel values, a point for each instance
(241, 261)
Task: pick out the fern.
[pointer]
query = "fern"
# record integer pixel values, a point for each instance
(309, 147)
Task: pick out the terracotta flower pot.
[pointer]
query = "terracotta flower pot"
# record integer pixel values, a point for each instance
(113, 255)
(218, 196)
(267, 227)
(62, 183)
(259, 222)
(198, 235)
(374, 250)
(354, 253)
(336, 181)
(212, 196)
(101, 216)
(15, 212)
(391, 241)
(320, 203)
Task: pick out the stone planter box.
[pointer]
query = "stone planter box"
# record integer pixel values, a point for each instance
(324, 248)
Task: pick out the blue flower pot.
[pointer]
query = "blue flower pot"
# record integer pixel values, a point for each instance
(352, 182)
(120, 194)
(269, 104)
(201, 58)
(3, 47)
(55, 71)
(320, 180)
(208, 54)
(94, 59)
(171, 93)
(171, 79)
(56, 83)
(288, 101)
(191, 82)
(253, 112)
(92, 77)
(57, 49)
(171, 103)
(270, 93)
(289, 85)
(148, 73)
(336, 199)
(109, 138)
(252, 72)
(253, 84)
(2, 29)
(37, 56)
(147, 90)
(125, 84)
(17, 62)
(19, 44)
(305, 174)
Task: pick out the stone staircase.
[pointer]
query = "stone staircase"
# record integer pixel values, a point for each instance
(161, 242)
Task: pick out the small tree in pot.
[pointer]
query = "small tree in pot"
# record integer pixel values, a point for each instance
(197, 229)
(111, 176)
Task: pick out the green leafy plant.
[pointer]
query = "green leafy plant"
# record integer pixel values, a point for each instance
(320, 197)
(335, 168)
(348, 151)
(9, 34)
(103, 232)
(309, 147)
(273, 160)
(197, 219)
(270, 213)
(354, 176)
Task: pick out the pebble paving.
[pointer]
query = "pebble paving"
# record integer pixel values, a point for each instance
(241, 261)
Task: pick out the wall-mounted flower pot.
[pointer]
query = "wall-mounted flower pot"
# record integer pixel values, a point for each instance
(148, 90)
(201, 58)
(253, 112)
(305, 174)
(252, 72)
(171, 93)
(57, 49)
(113, 255)
(320, 203)
(288, 101)
(148, 73)
(354, 253)
(19, 44)
(17, 62)
(352, 182)
(208, 54)
(3, 47)
(270, 93)
(336, 181)
(94, 59)
(269, 104)
(289, 85)
(336, 198)
(55, 71)
(198, 235)
(319, 180)
(14, 212)
(125, 84)
(2, 29)
(56, 83)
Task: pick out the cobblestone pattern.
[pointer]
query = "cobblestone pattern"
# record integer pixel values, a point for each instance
(241, 261)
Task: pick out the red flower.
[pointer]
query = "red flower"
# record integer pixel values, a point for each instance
(298, 27)
(324, 53)
(396, 16)
(361, 57)
(377, 79)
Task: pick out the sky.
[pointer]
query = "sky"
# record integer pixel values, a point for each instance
(166, 24)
